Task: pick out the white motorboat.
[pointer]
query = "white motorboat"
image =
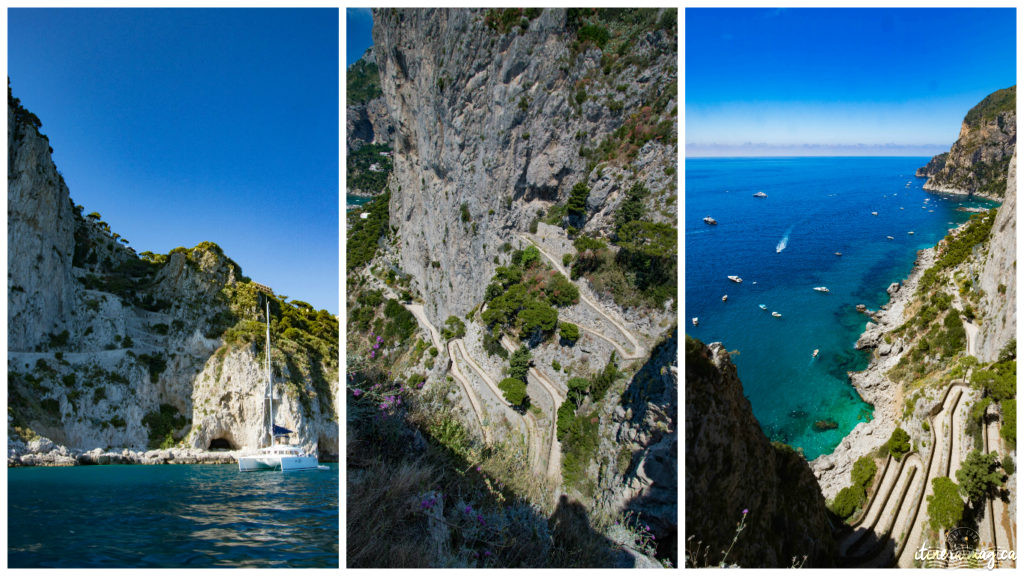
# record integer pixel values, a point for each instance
(760, 194)
(820, 289)
(277, 454)
(762, 306)
(911, 232)
(695, 320)
(735, 279)
(776, 315)
(839, 253)
(710, 220)
(874, 213)
(725, 297)
(815, 353)
(890, 237)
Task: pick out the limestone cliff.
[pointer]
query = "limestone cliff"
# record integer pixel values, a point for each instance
(366, 119)
(998, 279)
(111, 349)
(732, 467)
(978, 161)
(497, 117)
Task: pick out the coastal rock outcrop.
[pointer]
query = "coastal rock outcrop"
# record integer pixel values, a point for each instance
(978, 161)
(111, 350)
(734, 473)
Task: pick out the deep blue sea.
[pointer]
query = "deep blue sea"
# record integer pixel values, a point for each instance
(171, 516)
(815, 207)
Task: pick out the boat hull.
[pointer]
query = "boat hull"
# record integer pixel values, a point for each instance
(274, 462)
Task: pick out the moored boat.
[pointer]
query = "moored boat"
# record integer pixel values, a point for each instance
(725, 297)
(709, 220)
(815, 353)
(760, 194)
(695, 320)
(735, 279)
(762, 307)
(776, 315)
(820, 289)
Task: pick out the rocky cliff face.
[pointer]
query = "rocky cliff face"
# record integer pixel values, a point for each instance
(978, 161)
(366, 117)
(731, 467)
(504, 120)
(110, 349)
(998, 279)
(40, 222)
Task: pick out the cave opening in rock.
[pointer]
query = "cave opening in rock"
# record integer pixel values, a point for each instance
(221, 444)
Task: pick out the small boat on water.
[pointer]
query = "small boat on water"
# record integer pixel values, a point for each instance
(890, 237)
(760, 194)
(735, 279)
(820, 289)
(839, 253)
(874, 213)
(762, 307)
(776, 315)
(277, 454)
(911, 232)
(725, 297)
(710, 221)
(815, 353)
(901, 207)
(694, 320)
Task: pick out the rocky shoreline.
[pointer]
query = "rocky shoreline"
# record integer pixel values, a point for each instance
(833, 470)
(44, 452)
(940, 189)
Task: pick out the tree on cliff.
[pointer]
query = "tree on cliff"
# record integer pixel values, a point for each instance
(945, 508)
(979, 477)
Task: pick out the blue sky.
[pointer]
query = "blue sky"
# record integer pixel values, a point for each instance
(185, 125)
(359, 22)
(840, 81)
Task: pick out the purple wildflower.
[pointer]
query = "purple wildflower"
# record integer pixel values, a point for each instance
(468, 508)
(356, 392)
(745, 511)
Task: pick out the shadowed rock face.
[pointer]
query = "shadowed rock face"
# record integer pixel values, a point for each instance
(732, 467)
(978, 161)
(492, 121)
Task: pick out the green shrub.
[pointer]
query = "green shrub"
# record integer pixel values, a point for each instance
(848, 500)
(162, 423)
(577, 204)
(569, 332)
(864, 470)
(979, 476)
(945, 508)
(519, 363)
(453, 328)
(514, 391)
(464, 211)
(561, 292)
(578, 388)
(899, 443)
(566, 414)
(1008, 431)
(556, 365)
(593, 33)
(604, 379)
(1008, 466)
(537, 317)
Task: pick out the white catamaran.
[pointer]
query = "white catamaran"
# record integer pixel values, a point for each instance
(277, 455)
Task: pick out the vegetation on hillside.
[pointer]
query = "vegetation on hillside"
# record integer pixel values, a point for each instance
(363, 233)
(362, 82)
(368, 168)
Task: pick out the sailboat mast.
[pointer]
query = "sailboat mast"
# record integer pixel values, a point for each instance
(270, 383)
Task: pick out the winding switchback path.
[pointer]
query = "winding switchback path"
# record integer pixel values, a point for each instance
(897, 511)
(554, 451)
(638, 350)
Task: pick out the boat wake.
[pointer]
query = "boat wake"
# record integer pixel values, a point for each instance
(784, 242)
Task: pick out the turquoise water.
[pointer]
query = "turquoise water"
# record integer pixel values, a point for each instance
(171, 516)
(351, 202)
(815, 207)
